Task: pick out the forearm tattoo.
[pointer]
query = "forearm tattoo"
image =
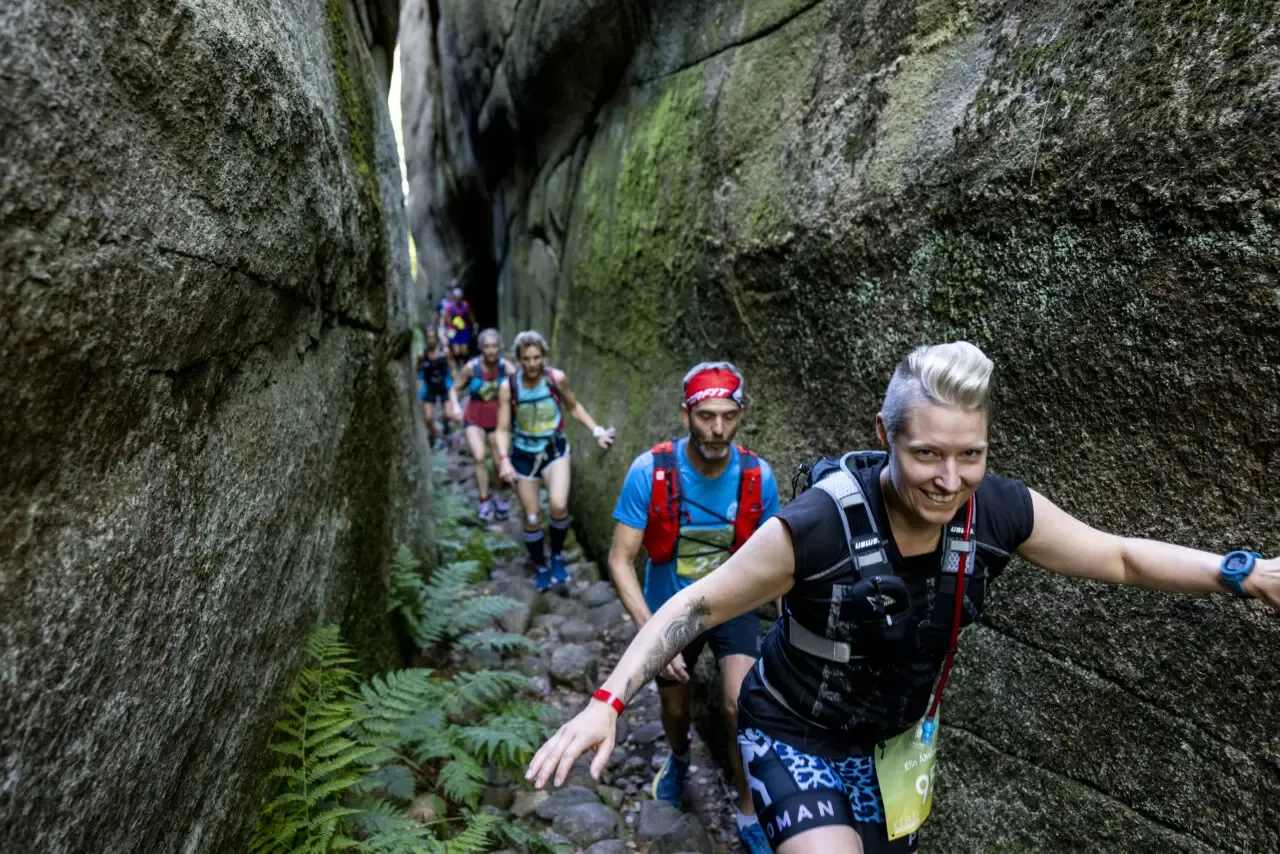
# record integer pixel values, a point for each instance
(677, 636)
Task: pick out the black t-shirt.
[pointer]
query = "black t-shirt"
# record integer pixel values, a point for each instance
(434, 372)
(836, 710)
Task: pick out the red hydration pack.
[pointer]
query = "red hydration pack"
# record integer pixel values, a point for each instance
(662, 529)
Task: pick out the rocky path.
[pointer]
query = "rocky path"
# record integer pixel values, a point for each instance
(580, 637)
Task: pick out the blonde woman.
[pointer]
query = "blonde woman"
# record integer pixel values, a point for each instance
(879, 566)
(532, 404)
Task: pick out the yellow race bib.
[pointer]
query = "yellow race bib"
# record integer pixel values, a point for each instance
(701, 550)
(904, 770)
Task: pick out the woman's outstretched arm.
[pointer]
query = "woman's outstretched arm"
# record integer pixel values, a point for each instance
(762, 570)
(1061, 543)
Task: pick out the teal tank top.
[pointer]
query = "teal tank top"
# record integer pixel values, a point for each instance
(537, 416)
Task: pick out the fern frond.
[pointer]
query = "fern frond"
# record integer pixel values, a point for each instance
(474, 839)
(486, 687)
(479, 612)
(461, 780)
(443, 591)
(528, 840)
(506, 643)
(396, 707)
(390, 831)
(495, 746)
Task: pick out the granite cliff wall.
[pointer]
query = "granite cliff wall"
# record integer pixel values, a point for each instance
(1087, 190)
(210, 443)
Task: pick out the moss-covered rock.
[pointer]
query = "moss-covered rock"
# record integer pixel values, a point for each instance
(211, 440)
(1086, 190)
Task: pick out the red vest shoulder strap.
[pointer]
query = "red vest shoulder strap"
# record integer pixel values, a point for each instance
(662, 527)
(750, 498)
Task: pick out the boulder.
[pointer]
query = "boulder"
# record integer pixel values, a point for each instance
(599, 593)
(527, 801)
(686, 834)
(578, 632)
(562, 799)
(606, 615)
(609, 846)
(656, 818)
(585, 824)
(574, 666)
(212, 440)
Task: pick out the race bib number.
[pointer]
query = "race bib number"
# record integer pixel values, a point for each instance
(904, 770)
(701, 551)
(539, 418)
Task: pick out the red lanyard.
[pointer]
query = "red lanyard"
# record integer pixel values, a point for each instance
(955, 620)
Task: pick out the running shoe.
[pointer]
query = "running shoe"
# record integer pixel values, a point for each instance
(753, 840)
(485, 510)
(542, 579)
(668, 785)
(559, 573)
(501, 509)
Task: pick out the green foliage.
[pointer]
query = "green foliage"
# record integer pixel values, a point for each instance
(346, 751)
(316, 762)
(441, 611)
(503, 642)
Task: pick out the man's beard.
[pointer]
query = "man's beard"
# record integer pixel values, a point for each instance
(711, 453)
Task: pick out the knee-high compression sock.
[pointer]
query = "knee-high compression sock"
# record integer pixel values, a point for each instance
(559, 530)
(533, 542)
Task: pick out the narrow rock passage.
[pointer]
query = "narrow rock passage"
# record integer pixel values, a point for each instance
(581, 637)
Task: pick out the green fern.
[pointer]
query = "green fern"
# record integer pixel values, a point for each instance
(503, 642)
(315, 763)
(461, 779)
(477, 613)
(474, 839)
(388, 830)
(528, 840)
(485, 687)
(493, 745)
(342, 749)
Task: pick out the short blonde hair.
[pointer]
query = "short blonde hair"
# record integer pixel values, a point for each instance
(529, 338)
(491, 334)
(955, 374)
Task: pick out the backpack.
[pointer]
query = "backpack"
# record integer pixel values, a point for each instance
(882, 599)
(662, 528)
(553, 387)
(477, 374)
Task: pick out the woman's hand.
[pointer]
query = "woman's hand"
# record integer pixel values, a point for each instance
(605, 439)
(506, 471)
(1264, 582)
(595, 727)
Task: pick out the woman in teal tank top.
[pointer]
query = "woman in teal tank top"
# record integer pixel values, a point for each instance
(531, 408)
(538, 418)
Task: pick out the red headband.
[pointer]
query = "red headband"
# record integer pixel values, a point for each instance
(712, 383)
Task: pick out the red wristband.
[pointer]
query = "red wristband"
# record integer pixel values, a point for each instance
(605, 697)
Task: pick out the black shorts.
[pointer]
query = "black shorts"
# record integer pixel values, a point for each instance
(433, 394)
(794, 792)
(529, 466)
(487, 430)
(739, 636)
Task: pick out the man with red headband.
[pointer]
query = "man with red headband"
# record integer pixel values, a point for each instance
(691, 502)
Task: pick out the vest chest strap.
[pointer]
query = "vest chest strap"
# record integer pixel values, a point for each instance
(816, 645)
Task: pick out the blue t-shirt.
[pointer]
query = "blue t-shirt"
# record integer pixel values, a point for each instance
(708, 507)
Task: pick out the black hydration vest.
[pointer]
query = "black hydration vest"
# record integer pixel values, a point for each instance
(858, 611)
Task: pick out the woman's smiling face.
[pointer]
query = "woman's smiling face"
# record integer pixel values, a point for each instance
(937, 459)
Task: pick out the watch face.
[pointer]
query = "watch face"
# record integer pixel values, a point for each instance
(1238, 562)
